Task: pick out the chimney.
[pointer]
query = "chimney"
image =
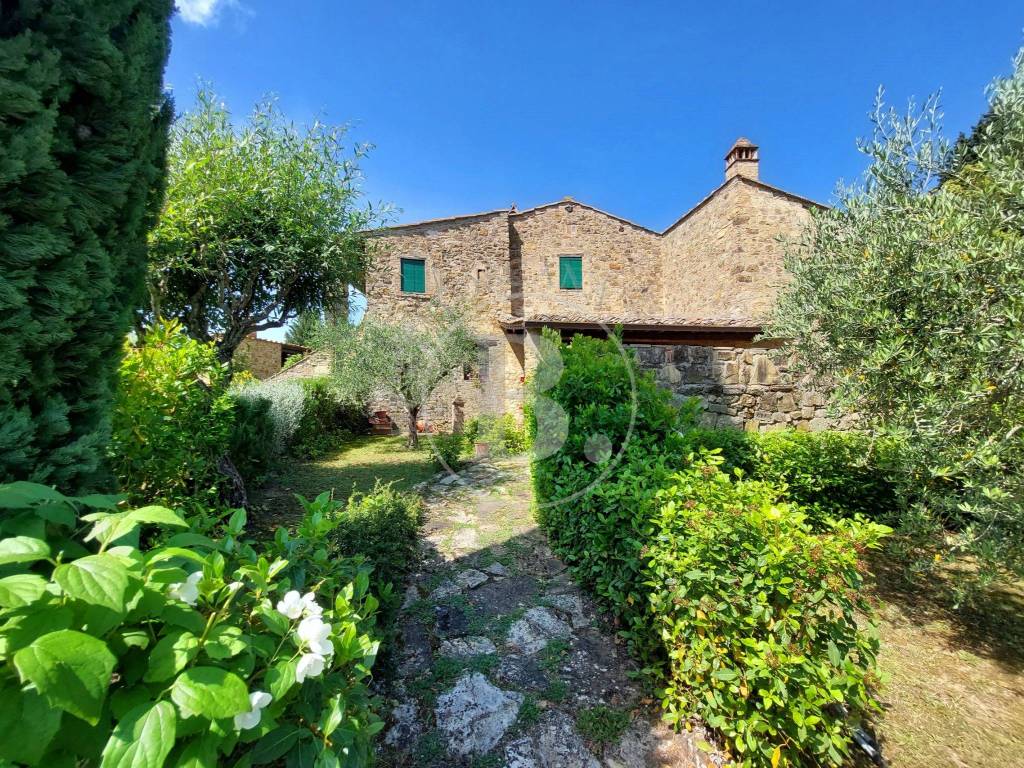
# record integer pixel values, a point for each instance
(742, 160)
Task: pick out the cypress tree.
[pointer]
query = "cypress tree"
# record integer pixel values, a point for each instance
(83, 130)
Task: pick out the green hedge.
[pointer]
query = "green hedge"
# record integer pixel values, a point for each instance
(830, 474)
(738, 611)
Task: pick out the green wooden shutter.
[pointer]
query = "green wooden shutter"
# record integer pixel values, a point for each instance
(570, 272)
(414, 278)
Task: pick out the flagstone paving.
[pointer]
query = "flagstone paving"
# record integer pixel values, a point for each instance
(502, 660)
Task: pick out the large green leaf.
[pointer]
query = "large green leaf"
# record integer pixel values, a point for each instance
(21, 494)
(27, 726)
(97, 579)
(155, 515)
(275, 744)
(170, 655)
(22, 589)
(210, 692)
(23, 549)
(70, 669)
(143, 738)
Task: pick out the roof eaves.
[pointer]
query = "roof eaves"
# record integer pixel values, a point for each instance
(570, 201)
(442, 220)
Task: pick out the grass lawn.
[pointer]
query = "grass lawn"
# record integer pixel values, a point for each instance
(355, 466)
(956, 693)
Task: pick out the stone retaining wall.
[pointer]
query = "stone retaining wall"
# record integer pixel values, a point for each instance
(744, 388)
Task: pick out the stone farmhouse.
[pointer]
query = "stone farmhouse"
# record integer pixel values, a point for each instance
(690, 299)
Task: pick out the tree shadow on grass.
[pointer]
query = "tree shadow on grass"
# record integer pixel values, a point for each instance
(991, 626)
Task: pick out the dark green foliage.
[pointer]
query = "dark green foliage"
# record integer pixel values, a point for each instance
(252, 439)
(503, 434)
(381, 526)
(172, 421)
(83, 127)
(326, 420)
(829, 474)
(305, 329)
(737, 610)
(447, 450)
(594, 513)
(737, 448)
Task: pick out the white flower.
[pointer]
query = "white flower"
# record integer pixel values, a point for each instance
(309, 606)
(310, 665)
(314, 633)
(291, 606)
(187, 591)
(257, 701)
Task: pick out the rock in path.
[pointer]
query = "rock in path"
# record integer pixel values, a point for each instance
(536, 629)
(555, 743)
(466, 647)
(474, 715)
(471, 578)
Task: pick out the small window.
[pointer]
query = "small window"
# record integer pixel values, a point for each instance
(414, 278)
(570, 273)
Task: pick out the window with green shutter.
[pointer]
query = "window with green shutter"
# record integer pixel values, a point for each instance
(414, 276)
(570, 273)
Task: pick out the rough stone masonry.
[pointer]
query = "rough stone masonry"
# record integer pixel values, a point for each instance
(690, 299)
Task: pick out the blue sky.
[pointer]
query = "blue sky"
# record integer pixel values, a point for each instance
(627, 106)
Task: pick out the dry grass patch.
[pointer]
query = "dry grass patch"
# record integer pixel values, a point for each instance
(956, 693)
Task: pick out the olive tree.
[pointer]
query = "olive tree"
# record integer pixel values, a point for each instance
(908, 299)
(406, 359)
(261, 223)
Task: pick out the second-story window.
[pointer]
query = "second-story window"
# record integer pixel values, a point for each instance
(414, 276)
(570, 273)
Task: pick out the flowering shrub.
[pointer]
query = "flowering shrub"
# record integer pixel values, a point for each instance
(751, 619)
(737, 610)
(196, 652)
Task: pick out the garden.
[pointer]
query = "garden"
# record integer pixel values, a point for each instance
(199, 568)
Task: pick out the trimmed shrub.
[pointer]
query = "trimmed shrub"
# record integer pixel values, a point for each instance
(83, 127)
(172, 419)
(737, 610)
(751, 619)
(737, 448)
(196, 652)
(831, 474)
(447, 450)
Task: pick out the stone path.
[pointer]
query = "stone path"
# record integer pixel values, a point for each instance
(502, 660)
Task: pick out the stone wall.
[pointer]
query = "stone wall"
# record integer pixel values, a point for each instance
(621, 262)
(312, 366)
(261, 357)
(747, 388)
(724, 258)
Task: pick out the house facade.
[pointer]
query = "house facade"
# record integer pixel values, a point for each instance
(690, 299)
